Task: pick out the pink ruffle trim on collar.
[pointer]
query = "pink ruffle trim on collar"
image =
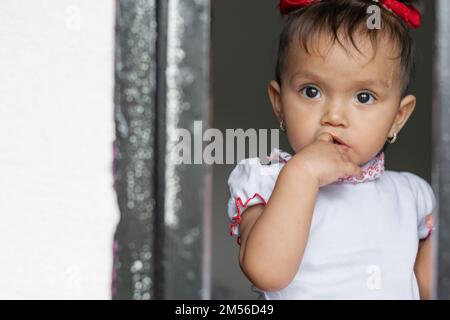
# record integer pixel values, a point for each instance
(372, 170)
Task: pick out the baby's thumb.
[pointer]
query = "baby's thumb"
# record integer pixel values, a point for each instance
(358, 172)
(352, 169)
(325, 137)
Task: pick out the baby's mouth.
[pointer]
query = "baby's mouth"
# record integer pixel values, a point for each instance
(339, 142)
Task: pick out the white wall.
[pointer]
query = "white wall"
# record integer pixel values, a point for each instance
(57, 205)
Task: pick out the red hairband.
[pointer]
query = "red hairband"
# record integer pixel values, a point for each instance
(409, 14)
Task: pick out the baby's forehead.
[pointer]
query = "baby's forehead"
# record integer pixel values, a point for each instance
(362, 48)
(367, 59)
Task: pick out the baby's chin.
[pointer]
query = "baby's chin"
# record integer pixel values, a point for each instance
(360, 161)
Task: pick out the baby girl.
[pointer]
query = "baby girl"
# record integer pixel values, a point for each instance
(332, 223)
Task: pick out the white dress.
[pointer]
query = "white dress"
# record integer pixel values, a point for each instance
(364, 234)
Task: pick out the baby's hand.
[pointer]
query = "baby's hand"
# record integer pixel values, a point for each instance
(325, 162)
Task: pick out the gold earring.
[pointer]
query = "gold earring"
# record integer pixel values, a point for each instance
(392, 140)
(282, 128)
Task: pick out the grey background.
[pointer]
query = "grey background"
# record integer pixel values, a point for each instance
(244, 42)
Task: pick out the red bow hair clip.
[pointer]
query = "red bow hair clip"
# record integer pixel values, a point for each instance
(408, 13)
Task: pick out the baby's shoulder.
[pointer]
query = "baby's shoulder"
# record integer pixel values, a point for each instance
(255, 172)
(255, 177)
(252, 182)
(408, 183)
(406, 179)
(423, 197)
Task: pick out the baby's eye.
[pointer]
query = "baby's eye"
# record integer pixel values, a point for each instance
(310, 92)
(365, 97)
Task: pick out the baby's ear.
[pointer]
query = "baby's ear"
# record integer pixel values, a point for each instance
(407, 105)
(274, 91)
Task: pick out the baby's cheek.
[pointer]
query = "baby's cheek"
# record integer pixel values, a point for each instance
(366, 149)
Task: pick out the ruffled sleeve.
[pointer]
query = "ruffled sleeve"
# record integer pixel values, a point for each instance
(425, 204)
(251, 183)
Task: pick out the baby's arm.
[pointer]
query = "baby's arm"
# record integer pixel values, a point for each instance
(423, 268)
(273, 238)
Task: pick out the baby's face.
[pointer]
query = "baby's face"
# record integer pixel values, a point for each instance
(350, 96)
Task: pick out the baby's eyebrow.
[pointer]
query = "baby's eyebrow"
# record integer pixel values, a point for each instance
(305, 74)
(374, 82)
(366, 82)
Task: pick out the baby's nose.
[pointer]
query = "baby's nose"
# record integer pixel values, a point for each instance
(334, 117)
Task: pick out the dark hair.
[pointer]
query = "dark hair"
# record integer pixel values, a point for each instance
(350, 16)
